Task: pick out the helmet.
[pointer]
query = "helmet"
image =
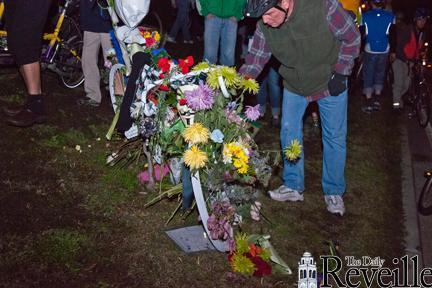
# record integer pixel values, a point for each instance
(256, 8)
(421, 12)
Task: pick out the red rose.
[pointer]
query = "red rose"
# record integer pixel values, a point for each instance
(262, 268)
(161, 76)
(150, 42)
(183, 66)
(182, 102)
(163, 64)
(163, 87)
(189, 60)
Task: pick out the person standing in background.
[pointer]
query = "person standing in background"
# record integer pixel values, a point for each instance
(25, 21)
(220, 32)
(96, 26)
(182, 22)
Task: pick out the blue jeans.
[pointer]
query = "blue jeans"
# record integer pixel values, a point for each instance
(270, 86)
(220, 34)
(182, 20)
(333, 113)
(374, 72)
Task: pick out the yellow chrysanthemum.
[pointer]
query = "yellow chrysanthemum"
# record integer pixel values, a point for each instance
(243, 169)
(242, 243)
(293, 152)
(213, 78)
(195, 158)
(156, 36)
(201, 66)
(196, 133)
(241, 264)
(232, 79)
(250, 85)
(147, 34)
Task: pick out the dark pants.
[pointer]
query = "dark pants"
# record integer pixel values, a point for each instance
(25, 20)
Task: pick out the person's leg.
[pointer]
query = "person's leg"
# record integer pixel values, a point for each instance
(293, 109)
(275, 91)
(400, 73)
(228, 42)
(379, 78)
(333, 113)
(25, 23)
(212, 32)
(368, 75)
(178, 21)
(32, 78)
(90, 54)
(184, 9)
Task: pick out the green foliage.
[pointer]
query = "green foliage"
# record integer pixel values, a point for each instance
(60, 246)
(71, 137)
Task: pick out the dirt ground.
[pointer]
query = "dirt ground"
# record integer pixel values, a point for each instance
(68, 220)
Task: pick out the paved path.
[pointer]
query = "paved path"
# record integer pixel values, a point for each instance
(417, 157)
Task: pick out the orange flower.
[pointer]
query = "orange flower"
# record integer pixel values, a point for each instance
(254, 250)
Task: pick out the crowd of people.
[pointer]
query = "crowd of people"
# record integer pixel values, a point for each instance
(304, 50)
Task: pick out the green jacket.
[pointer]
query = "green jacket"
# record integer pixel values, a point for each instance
(305, 47)
(223, 8)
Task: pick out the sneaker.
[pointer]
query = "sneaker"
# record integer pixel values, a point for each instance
(188, 42)
(335, 204)
(88, 102)
(367, 109)
(170, 39)
(284, 193)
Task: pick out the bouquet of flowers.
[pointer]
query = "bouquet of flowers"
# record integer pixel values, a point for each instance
(255, 256)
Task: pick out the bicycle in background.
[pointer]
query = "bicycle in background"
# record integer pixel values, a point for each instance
(425, 200)
(419, 91)
(61, 52)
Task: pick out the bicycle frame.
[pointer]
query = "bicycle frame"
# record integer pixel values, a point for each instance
(53, 37)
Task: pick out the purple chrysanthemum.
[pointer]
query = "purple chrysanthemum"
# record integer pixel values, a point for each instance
(253, 112)
(201, 98)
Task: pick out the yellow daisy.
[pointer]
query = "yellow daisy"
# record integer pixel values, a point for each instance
(196, 133)
(195, 158)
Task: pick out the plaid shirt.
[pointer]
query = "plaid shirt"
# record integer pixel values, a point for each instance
(341, 25)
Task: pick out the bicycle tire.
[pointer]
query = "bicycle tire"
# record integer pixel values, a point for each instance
(425, 199)
(423, 106)
(71, 73)
(115, 69)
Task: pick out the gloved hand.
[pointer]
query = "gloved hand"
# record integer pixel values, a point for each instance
(337, 84)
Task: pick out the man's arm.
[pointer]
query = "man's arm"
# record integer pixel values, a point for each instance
(345, 30)
(258, 55)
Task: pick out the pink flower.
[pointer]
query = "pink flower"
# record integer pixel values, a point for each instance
(200, 98)
(253, 112)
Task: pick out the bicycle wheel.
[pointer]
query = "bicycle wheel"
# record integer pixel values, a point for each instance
(422, 106)
(68, 59)
(117, 84)
(425, 200)
(153, 22)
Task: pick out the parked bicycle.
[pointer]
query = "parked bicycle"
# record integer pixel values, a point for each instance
(62, 48)
(425, 200)
(419, 93)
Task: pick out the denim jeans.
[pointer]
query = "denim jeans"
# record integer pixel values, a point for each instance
(374, 72)
(333, 113)
(182, 20)
(220, 36)
(270, 86)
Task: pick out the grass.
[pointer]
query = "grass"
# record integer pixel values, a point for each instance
(71, 221)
